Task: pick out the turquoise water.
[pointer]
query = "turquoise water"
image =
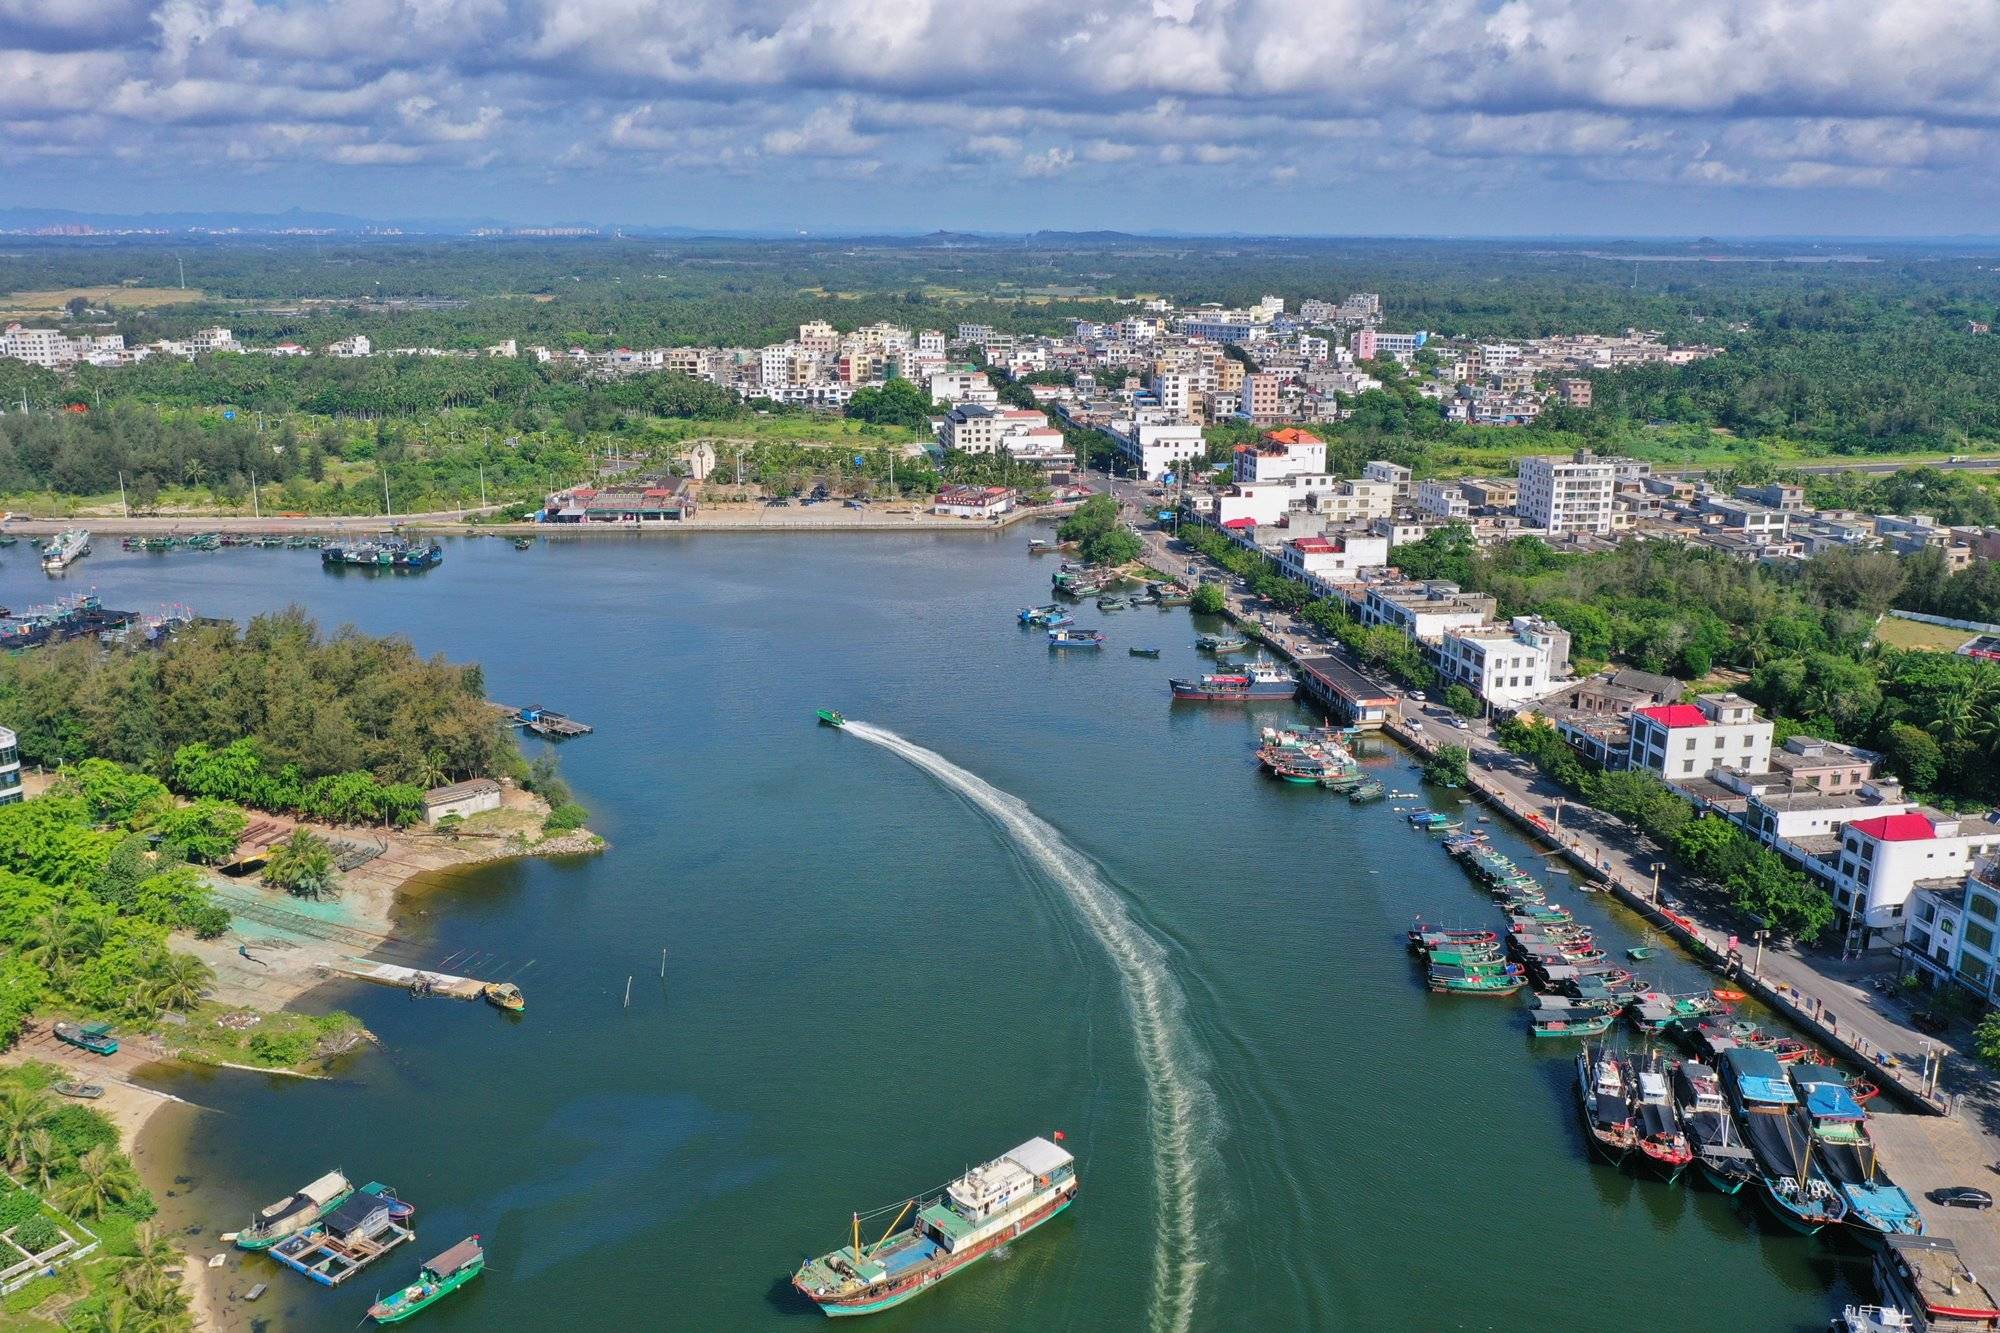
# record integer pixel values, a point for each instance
(1044, 898)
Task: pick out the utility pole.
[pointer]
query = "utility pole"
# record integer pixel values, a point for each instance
(256, 507)
(387, 512)
(1656, 882)
(482, 485)
(121, 495)
(184, 271)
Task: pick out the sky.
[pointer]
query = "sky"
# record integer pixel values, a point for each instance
(1439, 117)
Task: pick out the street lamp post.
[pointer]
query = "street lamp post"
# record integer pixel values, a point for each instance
(1757, 968)
(1658, 866)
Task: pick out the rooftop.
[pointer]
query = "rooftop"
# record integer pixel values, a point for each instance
(1912, 826)
(1675, 716)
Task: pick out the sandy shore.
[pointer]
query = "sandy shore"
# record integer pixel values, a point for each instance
(293, 948)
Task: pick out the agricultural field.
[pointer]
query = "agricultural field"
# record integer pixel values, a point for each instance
(1895, 632)
(20, 304)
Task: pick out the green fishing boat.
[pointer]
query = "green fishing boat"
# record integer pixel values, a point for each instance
(828, 718)
(435, 1280)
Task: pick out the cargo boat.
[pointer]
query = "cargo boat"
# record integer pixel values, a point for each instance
(1926, 1278)
(1876, 1205)
(435, 1280)
(1790, 1182)
(1221, 643)
(65, 549)
(1075, 638)
(293, 1214)
(1259, 680)
(974, 1216)
(1725, 1163)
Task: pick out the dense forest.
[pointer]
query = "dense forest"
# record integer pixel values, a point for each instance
(321, 706)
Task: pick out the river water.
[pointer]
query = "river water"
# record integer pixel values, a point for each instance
(1031, 894)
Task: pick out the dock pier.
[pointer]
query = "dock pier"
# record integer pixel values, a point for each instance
(544, 723)
(416, 980)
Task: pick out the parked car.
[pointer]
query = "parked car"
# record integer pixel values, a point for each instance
(1962, 1196)
(1925, 1021)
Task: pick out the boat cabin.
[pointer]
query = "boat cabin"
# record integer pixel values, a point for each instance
(989, 1191)
(462, 1255)
(362, 1215)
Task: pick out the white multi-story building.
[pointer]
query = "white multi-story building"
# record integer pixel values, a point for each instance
(931, 341)
(1952, 930)
(1425, 611)
(1157, 448)
(1332, 558)
(962, 386)
(1281, 454)
(10, 767)
(1444, 499)
(1395, 474)
(203, 342)
(357, 345)
(978, 428)
(1176, 390)
(1682, 741)
(1503, 664)
(1567, 494)
(47, 348)
(1885, 859)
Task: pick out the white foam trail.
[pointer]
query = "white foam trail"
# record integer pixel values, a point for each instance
(1181, 1106)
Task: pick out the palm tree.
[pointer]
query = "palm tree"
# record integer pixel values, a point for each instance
(39, 1159)
(57, 936)
(102, 1179)
(433, 769)
(151, 1274)
(180, 983)
(23, 1112)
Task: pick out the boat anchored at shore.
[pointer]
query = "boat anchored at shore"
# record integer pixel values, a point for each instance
(296, 1212)
(1259, 680)
(976, 1214)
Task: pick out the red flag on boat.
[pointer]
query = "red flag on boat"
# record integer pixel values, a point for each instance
(1059, 1136)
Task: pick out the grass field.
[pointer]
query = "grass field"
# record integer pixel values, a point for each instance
(1895, 632)
(125, 298)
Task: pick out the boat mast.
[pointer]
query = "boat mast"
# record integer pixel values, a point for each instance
(857, 1238)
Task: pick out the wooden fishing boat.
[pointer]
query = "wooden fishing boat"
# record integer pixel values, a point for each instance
(503, 995)
(1143, 652)
(435, 1280)
(87, 1091)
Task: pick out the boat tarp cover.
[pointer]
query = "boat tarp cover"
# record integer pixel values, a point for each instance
(455, 1258)
(1883, 1203)
(1758, 1089)
(1831, 1101)
(903, 1258)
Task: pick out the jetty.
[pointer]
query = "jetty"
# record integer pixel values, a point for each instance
(363, 1229)
(546, 723)
(419, 981)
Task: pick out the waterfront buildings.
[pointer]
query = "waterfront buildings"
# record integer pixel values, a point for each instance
(973, 501)
(1675, 741)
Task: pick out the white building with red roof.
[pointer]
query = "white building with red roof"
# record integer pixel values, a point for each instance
(1885, 859)
(1322, 560)
(1678, 742)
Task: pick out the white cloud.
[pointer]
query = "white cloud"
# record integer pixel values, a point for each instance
(827, 132)
(1049, 162)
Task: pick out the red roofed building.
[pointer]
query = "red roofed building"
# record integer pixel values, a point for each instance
(1680, 742)
(973, 501)
(1321, 561)
(1281, 454)
(1884, 860)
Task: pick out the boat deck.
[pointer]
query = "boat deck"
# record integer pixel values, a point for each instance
(330, 1261)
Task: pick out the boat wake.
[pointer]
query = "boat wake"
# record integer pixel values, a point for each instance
(1181, 1106)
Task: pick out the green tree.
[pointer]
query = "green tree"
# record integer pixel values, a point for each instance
(100, 1181)
(1915, 757)
(1446, 768)
(180, 983)
(23, 1113)
(1210, 600)
(1462, 700)
(899, 402)
(205, 830)
(302, 865)
(1112, 546)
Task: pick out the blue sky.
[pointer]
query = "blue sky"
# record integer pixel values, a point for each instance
(1327, 116)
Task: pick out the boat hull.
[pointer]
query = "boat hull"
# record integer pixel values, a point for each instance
(1725, 1184)
(870, 1304)
(1196, 692)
